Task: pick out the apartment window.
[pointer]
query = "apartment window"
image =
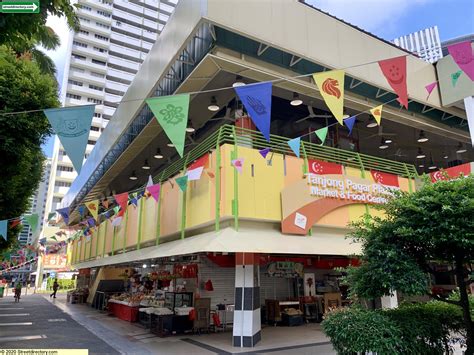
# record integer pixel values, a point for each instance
(103, 13)
(97, 75)
(101, 50)
(83, 19)
(95, 87)
(95, 129)
(84, 32)
(91, 142)
(103, 38)
(62, 152)
(106, 2)
(96, 101)
(95, 61)
(100, 24)
(98, 115)
(65, 168)
(74, 82)
(79, 44)
(77, 56)
(72, 96)
(86, 8)
(78, 70)
(63, 184)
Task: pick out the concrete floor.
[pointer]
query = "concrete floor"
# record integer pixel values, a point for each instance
(79, 326)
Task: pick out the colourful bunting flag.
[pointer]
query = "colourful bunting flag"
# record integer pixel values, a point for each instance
(93, 207)
(182, 182)
(455, 76)
(134, 202)
(122, 200)
(4, 228)
(32, 220)
(82, 210)
(72, 125)
(210, 174)
(238, 164)
(202, 161)
(377, 113)
(463, 57)
(295, 145)
(257, 99)
(105, 203)
(116, 209)
(264, 152)
(430, 88)
(154, 191)
(350, 123)
(51, 216)
(322, 134)
(395, 71)
(150, 181)
(64, 212)
(194, 174)
(172, 115)
(331, 86)
(54, 238)
(91, 221)
(14, 223)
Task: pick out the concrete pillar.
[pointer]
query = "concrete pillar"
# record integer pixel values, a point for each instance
(390, 301)
(247, 321)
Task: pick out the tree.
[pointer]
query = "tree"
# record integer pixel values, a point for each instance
(434, 224)
(23, 87)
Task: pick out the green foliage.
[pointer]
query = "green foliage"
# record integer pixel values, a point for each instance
(410, 329)
(23, 87)
(64, 284)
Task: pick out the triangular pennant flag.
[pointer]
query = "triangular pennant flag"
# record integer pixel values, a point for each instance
(134, 201)
(295, 145)
(64, 212)
(210, 174)
(82, 210)
(150, 181)
(321, 134)
(182, 182)
(172, 115)
(14, 223)
(116, 222)
(154, 191)
(122, 200)
(331, 86)
(4, 228)
(51, 216)
(257, 99)
(238, 164)
(116, 209)
(430, 88)
(72, 125)
(54, 238)
(264, 152)
(463, 57)
(377, 113)
(105, 203)
(395, 71)
(350, 123)
(455, 76)
(91, 221)
(93, 207)
(194, 174)
(32, 220)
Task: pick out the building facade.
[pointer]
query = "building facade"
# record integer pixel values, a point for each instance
(425, 43)
(104, 55)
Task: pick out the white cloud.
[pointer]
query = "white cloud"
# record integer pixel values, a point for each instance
(379, 17)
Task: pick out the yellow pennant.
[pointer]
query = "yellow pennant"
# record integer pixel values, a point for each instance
(377, 113)
(93, 207)
(331, 86)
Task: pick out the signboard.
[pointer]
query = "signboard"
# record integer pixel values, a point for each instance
(55, 261)
(287, 269)
(21, 7)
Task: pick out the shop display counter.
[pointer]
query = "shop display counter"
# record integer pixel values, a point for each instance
(123, 310)
(171, 324)
(275, 309)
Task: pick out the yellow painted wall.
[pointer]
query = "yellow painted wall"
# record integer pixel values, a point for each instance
(129, 230)
(170, 207)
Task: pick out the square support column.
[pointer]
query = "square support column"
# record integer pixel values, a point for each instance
(247, 320)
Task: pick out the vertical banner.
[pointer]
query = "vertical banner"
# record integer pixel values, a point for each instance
(395, 71)
(172, 115)
(331, 86)
(463, 57)
(72, 125)
(257, 99)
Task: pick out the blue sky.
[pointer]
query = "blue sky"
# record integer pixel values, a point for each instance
(387, 19)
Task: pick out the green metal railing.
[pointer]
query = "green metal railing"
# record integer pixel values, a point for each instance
(254, 139)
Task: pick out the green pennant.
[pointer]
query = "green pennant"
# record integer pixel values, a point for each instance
(51, 215)
(116, 209)
(32, 220)
(182, 182)
(321, 134)
(54, 238)
(172, 114)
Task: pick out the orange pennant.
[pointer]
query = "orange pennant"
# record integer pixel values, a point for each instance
(377, 113)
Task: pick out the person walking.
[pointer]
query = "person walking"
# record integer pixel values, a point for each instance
(18, 291)
(55, 288)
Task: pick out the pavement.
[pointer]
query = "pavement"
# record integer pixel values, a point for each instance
(38, 322)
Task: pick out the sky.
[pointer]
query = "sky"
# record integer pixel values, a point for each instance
(387, 19)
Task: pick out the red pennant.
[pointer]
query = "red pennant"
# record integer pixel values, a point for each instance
(385, 178)
(14, 223)
(122, 200)
(451, 173)
(321, 167)
(202, 161)
(395, 71)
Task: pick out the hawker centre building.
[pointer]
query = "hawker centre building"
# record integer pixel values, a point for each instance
(256, 234)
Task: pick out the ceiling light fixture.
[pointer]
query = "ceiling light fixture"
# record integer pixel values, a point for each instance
(213, 106)
(158, 154)
(420, 154)
(296, 100)
(238, 82)
(171, 145)
(388, 140)
(461, 149)
(446, 156)
(372, 124)
(144, 266)
(422, 138)
(383, 144)
(190, 128)
(133, 176)
(421, 166)
(432, 164)
(146, 166)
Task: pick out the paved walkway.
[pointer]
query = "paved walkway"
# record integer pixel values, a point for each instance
(57, 324)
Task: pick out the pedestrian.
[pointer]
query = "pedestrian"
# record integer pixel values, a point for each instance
(18, 291)
(55, 288)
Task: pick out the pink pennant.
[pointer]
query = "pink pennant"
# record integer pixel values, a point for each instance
(430, 88)
(463, 56)
(154, 191)
(238, 164)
